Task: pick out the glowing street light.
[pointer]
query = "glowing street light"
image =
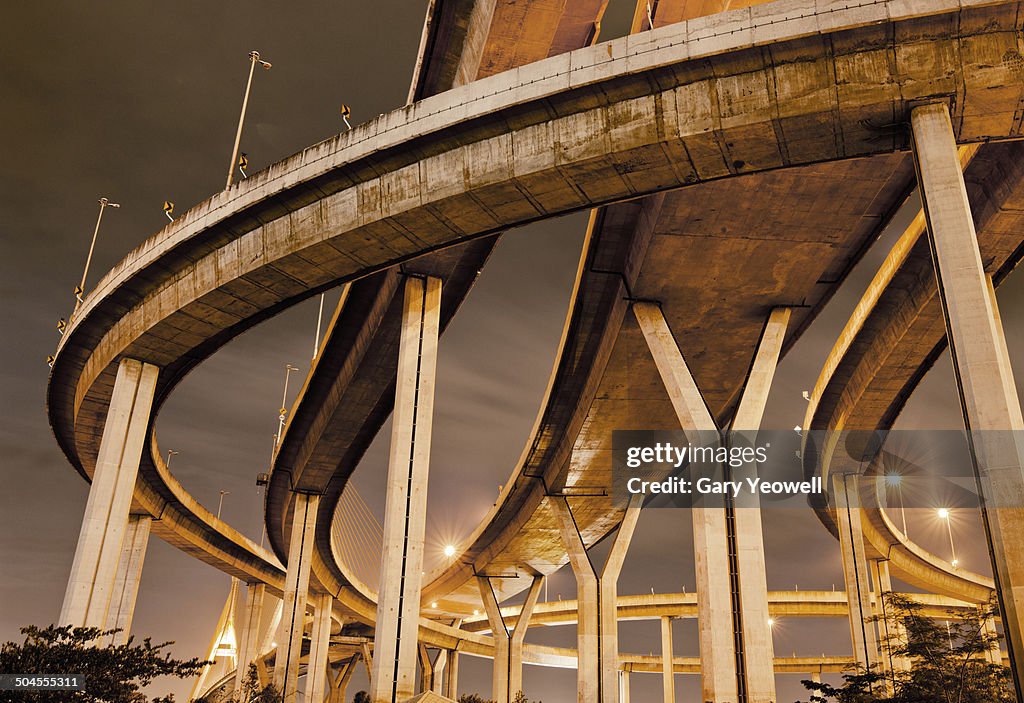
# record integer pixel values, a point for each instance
(771, 623)
(944, 514)
(80, 288)
(254, 58)
(449, 551)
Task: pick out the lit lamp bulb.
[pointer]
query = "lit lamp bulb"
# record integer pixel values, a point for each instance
(449, 551)
(943, 513)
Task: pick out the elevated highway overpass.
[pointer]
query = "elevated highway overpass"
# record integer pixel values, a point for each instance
(789, 102)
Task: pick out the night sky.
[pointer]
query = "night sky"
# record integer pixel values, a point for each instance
(138, 102)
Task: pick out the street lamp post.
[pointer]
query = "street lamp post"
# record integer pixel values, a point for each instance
(220, 505)
(896, 480)
(254, 58)
(284, 400)
(319, 320)
(80, 290)
(944, 514)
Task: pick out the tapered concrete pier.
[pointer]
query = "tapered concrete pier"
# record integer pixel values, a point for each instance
(129, 572)
(249, 632)
(988, 393)
(317, 682)
(401, 576)
(91, 585)
(296, 588)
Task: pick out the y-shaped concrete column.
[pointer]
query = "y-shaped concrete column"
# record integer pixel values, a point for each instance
(855, 569)
(129, 571)
(668, 669)
(507, 680)
(426, 669)
(988, 394)
(94, 570)
(891, 630)
(710, 535)
(249, 636)
(340, 683)
(398, 603)
(736, 651)
(319, 644)
(597, 627)
(440, 665)
(296, 588)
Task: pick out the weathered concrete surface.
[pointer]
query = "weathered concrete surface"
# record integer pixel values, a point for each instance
(405, 512)
(129, 573)
(894, 337)
(319, 643)
(846, 493)
(296, 593)
(988, 393)
(348, 396)
(92, 585)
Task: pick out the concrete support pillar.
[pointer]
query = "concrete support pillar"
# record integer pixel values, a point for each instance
(398, 603)
(624, 686)
(94, 570)
(588, 679)
(426, 670)
(500, 634)
(668, 670)
(816, 676)
(340, 683)
(367, 655)
(737, 652)
(752, 599)
(608, 586)
(988, 394)
(597, 602)
(988, 628)
(891, 631)
(451, 686)
(317, 669)
(440, 666)
(855, 569)
(249, 633)
(507, 679)
(517, 641)
(296, 587)
(129, 572)
(272, 629)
